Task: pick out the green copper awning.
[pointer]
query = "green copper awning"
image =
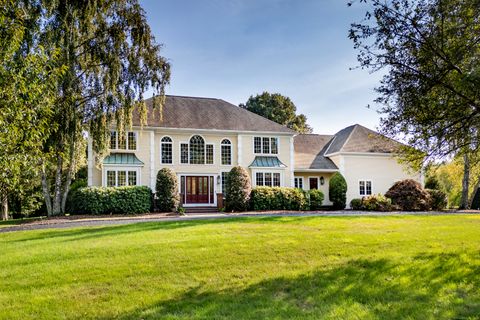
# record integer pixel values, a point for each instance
(122, 158)
(267, 162)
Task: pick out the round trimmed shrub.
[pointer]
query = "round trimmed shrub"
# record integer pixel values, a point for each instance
(356, 204)
(376, 202)
(409, 195)
(337, 191)
(238, 190)
(167, 190)
(316, 199)
(438, 199)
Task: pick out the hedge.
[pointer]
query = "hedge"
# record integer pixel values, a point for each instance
(316, 199)
(278, 198)
(117, 200)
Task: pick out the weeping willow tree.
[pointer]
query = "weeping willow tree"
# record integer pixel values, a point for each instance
(112, 59)
(27, 78)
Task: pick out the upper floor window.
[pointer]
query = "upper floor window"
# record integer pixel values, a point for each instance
(365, 187)
(127, 141)
(265, 145)
(226, 152)
(197, 150)
(166, 150)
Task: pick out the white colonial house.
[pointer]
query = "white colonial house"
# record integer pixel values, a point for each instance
(201, 139)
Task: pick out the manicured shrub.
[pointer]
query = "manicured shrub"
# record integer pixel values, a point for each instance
(277, 198)
(409, 195)
(119, 200)
(376, 202)
(337, 191)
(356, 204)
(238, 190)
(316, 199)
(438, 199)
(166, 187)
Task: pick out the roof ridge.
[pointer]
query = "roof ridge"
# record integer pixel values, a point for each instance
(190, 97)
(349, 136)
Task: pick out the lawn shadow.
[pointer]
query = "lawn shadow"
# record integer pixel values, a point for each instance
(428, 288)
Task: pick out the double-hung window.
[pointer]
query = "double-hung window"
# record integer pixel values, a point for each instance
(365, 187)
(166, 151)
(127, 141)
(265, 145)
(267, 179)
(226, 152)
(121, 178)
(298, 182)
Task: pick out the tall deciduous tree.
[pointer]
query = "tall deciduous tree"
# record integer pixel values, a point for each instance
(112, 60)
(278, 108)
(430, 53)
(27, 82)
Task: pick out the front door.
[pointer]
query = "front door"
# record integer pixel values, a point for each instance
(313, 183)
(199, 189)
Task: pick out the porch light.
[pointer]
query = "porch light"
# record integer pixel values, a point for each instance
(218, 179)
(322, 181)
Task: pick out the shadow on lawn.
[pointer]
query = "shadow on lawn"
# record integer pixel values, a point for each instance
(443, 286)
(92, 232)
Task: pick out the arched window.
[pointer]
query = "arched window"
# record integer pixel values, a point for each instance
(226, 151)
(166, 150)
(197, 150)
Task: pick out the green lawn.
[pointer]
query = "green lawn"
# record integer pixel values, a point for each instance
(397, 267)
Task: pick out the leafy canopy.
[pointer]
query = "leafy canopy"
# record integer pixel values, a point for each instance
(279, 109)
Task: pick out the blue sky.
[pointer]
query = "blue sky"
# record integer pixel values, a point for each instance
(231, 49)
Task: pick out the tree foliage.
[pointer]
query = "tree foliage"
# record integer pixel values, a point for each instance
(278, 108)
(112, 59)
(27, 81)
(429, 51)
(238, 189)
(337, 191)
(167, 190)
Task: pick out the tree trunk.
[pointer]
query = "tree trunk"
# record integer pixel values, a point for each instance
(46, 190)
(68, 180)
(57, 195)
(4, 207)
(464, 203)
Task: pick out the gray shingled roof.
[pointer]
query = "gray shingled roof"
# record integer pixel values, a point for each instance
(310, 150)
(207, 113)
(357, 138)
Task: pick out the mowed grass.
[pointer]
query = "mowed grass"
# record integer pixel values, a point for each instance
(396, 267)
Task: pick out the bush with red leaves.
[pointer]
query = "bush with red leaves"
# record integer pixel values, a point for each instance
(409, 195)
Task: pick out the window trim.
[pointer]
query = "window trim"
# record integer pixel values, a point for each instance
(254, 177)
(299, 178)
(126, 141)
(231, 151)
(371, 187)
(117, 168)
(262, 137)
(161, 150)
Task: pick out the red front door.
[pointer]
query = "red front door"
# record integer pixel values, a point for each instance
(198, 189)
